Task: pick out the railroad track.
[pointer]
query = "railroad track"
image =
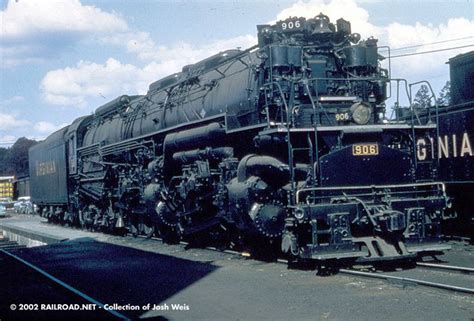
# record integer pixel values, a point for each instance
(377, 275)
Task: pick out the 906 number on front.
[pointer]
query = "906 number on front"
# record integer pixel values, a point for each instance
(365, 150)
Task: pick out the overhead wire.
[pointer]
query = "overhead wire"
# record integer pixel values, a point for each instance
(428, 44)
(430, 51)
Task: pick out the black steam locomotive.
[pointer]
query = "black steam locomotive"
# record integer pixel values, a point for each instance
(285, 143)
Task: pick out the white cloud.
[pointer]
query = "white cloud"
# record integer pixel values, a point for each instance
(27, 24)
(396, 35)
(170, 59)
(83, 83)
(30, 27)
(26, 17)
(47, 127)
(335, 9)
(145, 48)
(74, 86)
(401, 35)
(12, 100)
(7, 140)
(8, 122)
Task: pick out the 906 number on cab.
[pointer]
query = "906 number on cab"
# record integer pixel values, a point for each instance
(291, 25)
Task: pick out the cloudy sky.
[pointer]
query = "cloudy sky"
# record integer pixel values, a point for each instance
(61, 59)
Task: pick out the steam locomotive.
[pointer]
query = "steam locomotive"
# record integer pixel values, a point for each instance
(284, 145)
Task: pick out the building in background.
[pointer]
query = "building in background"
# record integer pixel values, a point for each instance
(6, 186)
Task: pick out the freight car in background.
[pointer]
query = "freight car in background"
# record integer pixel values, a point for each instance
(456, 145)
(283, 146)
(21, 187)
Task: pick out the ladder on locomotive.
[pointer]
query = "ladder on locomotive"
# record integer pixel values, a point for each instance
(288, 124)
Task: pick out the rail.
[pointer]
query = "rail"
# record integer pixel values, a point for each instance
(408, 280)
(461, 269)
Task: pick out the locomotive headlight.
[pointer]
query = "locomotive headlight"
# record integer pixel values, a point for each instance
(361, 113)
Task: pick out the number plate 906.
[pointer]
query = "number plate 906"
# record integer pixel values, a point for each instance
(365, 149)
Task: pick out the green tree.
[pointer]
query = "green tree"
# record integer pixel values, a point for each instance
(422, 98)
(444, 97)
(16, 158)
(3, 161)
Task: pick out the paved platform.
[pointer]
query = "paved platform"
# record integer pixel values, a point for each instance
(36, 227)
(218, 286)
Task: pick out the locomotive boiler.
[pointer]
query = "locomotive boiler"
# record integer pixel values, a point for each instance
(285, 143)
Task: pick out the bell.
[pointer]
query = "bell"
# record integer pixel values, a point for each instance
(321, 25)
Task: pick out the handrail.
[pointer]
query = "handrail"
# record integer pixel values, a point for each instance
(288, 121)
(389, 67)
(316, 147)
(288, 133)
(305, 81)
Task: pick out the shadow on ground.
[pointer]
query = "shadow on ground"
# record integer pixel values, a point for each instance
(114, 274)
